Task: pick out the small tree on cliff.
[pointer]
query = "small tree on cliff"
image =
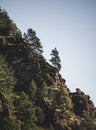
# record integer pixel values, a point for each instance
(55, 59)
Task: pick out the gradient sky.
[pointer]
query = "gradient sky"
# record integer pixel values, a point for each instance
(68, 25)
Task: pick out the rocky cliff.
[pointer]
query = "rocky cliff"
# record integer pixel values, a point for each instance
(33, 94)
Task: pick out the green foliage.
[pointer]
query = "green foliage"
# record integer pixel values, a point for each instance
(40, 116)
(33, 90)
(51, 127)
(7, 27)
(9, 124)
(38, 75)
(33, 41)
(42, 92)
(28, 101)
(19, 35)
(87, 123)
(25, 112)
(62, 100)
(55, 60)
(4, 40)
(7, 82)
(51, 94)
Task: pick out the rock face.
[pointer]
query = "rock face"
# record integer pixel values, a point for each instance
(82, 103)
(63, 109)
(40, 92)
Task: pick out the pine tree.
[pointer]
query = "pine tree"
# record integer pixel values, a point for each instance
(33, 90)
(55, 60)
(43, 91)
(25, 112)
(7, 26)
(34, 41)
(7, 83)
(40, 115)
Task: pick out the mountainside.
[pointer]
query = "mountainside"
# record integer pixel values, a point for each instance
(33, 94)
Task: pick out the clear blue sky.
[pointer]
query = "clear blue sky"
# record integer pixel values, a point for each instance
(68, 25)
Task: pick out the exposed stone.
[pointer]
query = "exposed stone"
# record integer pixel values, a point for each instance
(82, 103)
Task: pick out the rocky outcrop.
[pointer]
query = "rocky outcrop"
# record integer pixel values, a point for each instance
(52, 74)
(82, 104)
(48, 102)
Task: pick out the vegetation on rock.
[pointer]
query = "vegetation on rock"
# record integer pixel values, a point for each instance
(33, 95)
(55, 59)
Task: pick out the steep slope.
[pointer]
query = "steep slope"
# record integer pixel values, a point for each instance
(33, 91)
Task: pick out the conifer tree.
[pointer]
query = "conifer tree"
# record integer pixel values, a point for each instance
(55, 59)
(34, 41)
(7, 83)
(7, 26)
(33, 90)
(25, 112)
